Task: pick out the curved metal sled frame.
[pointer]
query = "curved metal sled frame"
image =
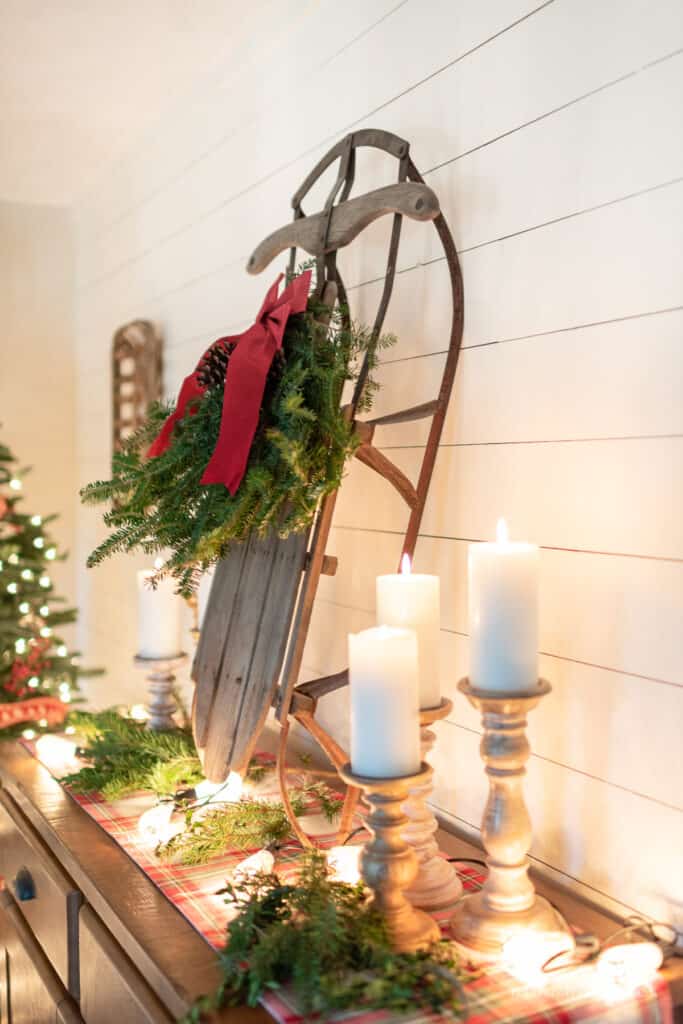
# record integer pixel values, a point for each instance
(321, 235)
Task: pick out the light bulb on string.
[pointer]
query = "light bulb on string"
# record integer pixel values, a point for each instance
(138, 712)
(34, 682)
(70, 730)
(13, 558)
(26, 574)
(36, 520)
(29, 734)
(39, 542)
(62, 651)
(45, 632)
(12, 588)
(24, 607)
(15, 483)
(344, 863)
(44, 610)
(43, 723)
(51, 553)
(20, 646)
(45, 582)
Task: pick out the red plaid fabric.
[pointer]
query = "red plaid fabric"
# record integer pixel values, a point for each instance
(493, 997)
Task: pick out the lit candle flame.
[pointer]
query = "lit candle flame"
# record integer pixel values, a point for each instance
(502, 531)
(406, 567)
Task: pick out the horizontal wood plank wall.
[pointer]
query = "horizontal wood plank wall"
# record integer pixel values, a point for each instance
(550, 132)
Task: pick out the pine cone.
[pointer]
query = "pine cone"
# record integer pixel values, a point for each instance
(214, 365)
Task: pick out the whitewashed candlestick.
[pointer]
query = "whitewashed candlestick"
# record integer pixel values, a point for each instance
(437, 884)
(507, 903)
(160, 680)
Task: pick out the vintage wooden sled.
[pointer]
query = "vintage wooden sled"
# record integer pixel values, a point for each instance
(252, 640)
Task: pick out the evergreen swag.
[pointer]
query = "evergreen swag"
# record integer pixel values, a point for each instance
(324, 940)
(297, 456)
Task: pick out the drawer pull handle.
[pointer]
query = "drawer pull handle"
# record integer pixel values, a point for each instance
(24, 886)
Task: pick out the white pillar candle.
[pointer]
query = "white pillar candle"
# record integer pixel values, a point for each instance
(412, 601)
(385, 726)
(503, 615)
(158, 617)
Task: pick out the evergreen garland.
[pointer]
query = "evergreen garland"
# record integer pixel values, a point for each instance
(297, 457)
(324, 940)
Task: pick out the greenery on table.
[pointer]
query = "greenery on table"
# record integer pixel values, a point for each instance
(123, 756)
(297, 457)
(243, 825)
(323, 939)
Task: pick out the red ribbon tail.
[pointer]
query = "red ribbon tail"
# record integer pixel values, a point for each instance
(190, 390)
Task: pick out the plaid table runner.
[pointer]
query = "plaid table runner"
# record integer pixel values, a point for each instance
(493, 997)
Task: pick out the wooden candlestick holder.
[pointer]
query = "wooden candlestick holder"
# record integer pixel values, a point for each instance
(388, 864)
(160, 679)
(437, 884)
(507, 902)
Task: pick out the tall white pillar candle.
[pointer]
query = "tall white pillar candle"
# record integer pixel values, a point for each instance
(385, 724)
(158, 617)
(412, 601)
(503, 615)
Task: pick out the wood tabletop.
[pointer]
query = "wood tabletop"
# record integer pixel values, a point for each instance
(175, 960)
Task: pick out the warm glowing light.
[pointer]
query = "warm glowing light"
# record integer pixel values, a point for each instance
(34, 682)
(70, 730)
(26, 574)
(43, 723)
(12, 588)
(15, 484)
(62, 651)
(138, 713)
(39, 542)
(525, 953)
(502, 536)
(629, 965)
(44, 610)
(20, 646)
(29, 734)
(45, 581)
(55, 752)
(263, 860)
(229, 791)
(406, 567)
(158, 563)
(24, 607)
(344, 863)
(51, 553)
(46, 632)
(154, 826)
(13, 558)
(36, 520)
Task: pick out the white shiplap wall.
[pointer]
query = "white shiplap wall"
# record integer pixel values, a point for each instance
(550, 132)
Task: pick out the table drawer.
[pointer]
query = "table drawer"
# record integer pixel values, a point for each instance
(52, 910)
(112, 989)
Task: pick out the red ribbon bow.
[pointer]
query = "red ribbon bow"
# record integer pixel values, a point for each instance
(245, 381)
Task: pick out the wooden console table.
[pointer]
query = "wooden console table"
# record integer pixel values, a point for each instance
(99, 942)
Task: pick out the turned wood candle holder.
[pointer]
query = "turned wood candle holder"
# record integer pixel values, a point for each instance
(388, 864)
(507, 902)
(437, 884)
(160, 679)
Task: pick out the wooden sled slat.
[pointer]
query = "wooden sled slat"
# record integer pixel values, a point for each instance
(259, 581)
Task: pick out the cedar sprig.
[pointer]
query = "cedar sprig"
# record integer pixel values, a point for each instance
(326, 942)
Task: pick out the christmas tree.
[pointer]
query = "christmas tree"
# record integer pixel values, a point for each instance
(34, 660)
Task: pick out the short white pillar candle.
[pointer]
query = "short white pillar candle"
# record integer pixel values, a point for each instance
(503, 615)
(412, 601)
(385, 724)
(158, 617)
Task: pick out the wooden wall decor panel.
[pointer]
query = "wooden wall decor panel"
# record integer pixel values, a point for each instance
(137, 369)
